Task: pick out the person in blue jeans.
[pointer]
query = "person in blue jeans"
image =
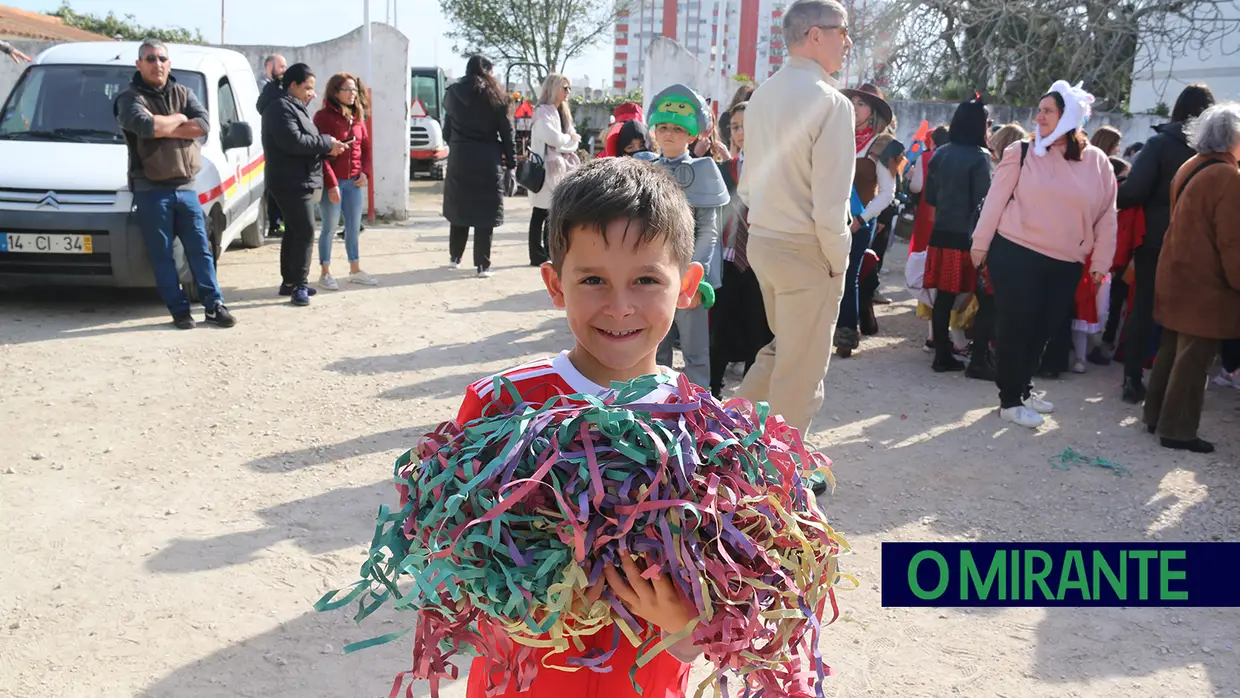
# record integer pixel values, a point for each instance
(343, 117)
(164, 124)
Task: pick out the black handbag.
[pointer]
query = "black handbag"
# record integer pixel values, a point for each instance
(532, 173)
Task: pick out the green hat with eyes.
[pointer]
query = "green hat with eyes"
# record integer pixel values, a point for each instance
(680, 106)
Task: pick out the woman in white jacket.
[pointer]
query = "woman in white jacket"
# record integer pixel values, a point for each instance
(555, 140)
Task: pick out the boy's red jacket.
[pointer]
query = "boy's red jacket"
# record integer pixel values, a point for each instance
(664, 676)
(332, 122)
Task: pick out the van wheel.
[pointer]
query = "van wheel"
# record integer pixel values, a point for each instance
(256, 234)
(178, 255)
(438, 171)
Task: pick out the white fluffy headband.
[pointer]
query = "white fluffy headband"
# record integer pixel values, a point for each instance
(1076, 111)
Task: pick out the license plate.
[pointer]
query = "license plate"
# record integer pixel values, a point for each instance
(47, 243)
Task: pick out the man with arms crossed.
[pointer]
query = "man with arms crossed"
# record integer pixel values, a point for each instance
(163, 124)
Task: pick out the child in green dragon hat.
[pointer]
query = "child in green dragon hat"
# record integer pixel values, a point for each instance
(678, 116)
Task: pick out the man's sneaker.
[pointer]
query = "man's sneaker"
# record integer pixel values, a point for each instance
(301, 295)
(363, 279)
(454, 263)
(485, 273)
(184, 321)
(220, 317)
(1039, 405)
(928, 347)
(328, 282)
(1022, 416)
(1227, 380)
(288, 290)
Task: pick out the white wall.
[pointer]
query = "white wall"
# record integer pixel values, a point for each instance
(1217, 65)
(390, 106)
(668, 63)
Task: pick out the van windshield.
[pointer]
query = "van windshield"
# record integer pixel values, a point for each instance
(74, 102)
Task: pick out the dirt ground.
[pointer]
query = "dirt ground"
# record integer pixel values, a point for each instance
(174, 502)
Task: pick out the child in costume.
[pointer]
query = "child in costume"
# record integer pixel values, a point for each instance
(678, 116)
(738, 325)
(622, 267)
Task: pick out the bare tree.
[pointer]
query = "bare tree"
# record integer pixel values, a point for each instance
(1013, 50)
(547, 32)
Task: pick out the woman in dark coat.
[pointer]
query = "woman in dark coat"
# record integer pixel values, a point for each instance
(1197, 292)
(956, 182)
(294, 151)
(738, 327)
(481, 161)
(1149, 185)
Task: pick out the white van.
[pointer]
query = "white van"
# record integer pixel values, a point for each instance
(66, 213)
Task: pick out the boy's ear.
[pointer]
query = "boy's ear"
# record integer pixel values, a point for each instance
(689, 285)
(554, 286)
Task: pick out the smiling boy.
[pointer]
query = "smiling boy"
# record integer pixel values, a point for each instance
(620, 234)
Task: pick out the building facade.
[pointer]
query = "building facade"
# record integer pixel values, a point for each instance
(733, 37)
(1216, 64)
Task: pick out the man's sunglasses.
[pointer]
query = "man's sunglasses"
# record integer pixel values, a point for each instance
(151, 58)
(827, 27)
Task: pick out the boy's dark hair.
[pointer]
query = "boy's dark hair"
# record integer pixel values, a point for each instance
(941, 136)
(611, 189)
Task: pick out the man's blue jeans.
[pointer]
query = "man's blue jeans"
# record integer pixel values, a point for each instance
(165, 215)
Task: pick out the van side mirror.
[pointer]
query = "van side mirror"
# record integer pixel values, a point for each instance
(238, 134)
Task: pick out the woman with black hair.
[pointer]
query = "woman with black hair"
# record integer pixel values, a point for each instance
(294, 151)
(481, 159)
(1149, 186)
(957, 181)
(1051, 206)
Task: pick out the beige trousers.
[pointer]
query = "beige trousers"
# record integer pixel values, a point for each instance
(802, 304)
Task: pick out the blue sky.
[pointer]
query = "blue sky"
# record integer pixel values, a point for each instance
(299, 22)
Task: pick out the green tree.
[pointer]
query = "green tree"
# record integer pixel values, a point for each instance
(547, 32)
(127, 27)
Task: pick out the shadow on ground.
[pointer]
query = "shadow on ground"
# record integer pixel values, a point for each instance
(313, 456)
(324, 523)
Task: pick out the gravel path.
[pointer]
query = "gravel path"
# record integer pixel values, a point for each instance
(176, 501)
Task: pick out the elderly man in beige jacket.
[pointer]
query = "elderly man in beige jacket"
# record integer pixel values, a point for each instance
(797, 181)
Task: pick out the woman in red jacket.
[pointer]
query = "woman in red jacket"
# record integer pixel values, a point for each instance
(343, 117)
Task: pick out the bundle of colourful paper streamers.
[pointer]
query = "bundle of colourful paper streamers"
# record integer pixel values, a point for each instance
(507, 521)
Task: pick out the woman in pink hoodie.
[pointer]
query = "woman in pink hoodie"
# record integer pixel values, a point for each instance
(1051, 205)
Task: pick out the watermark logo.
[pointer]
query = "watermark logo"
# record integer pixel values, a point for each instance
(1060, 574)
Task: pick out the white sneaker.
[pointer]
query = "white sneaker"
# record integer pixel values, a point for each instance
(1078, 367)
(485, 273)
(1022, 416)
(364, 279)
(453, 264)
(328, 282)
(1227, 380)
(1039, 405)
